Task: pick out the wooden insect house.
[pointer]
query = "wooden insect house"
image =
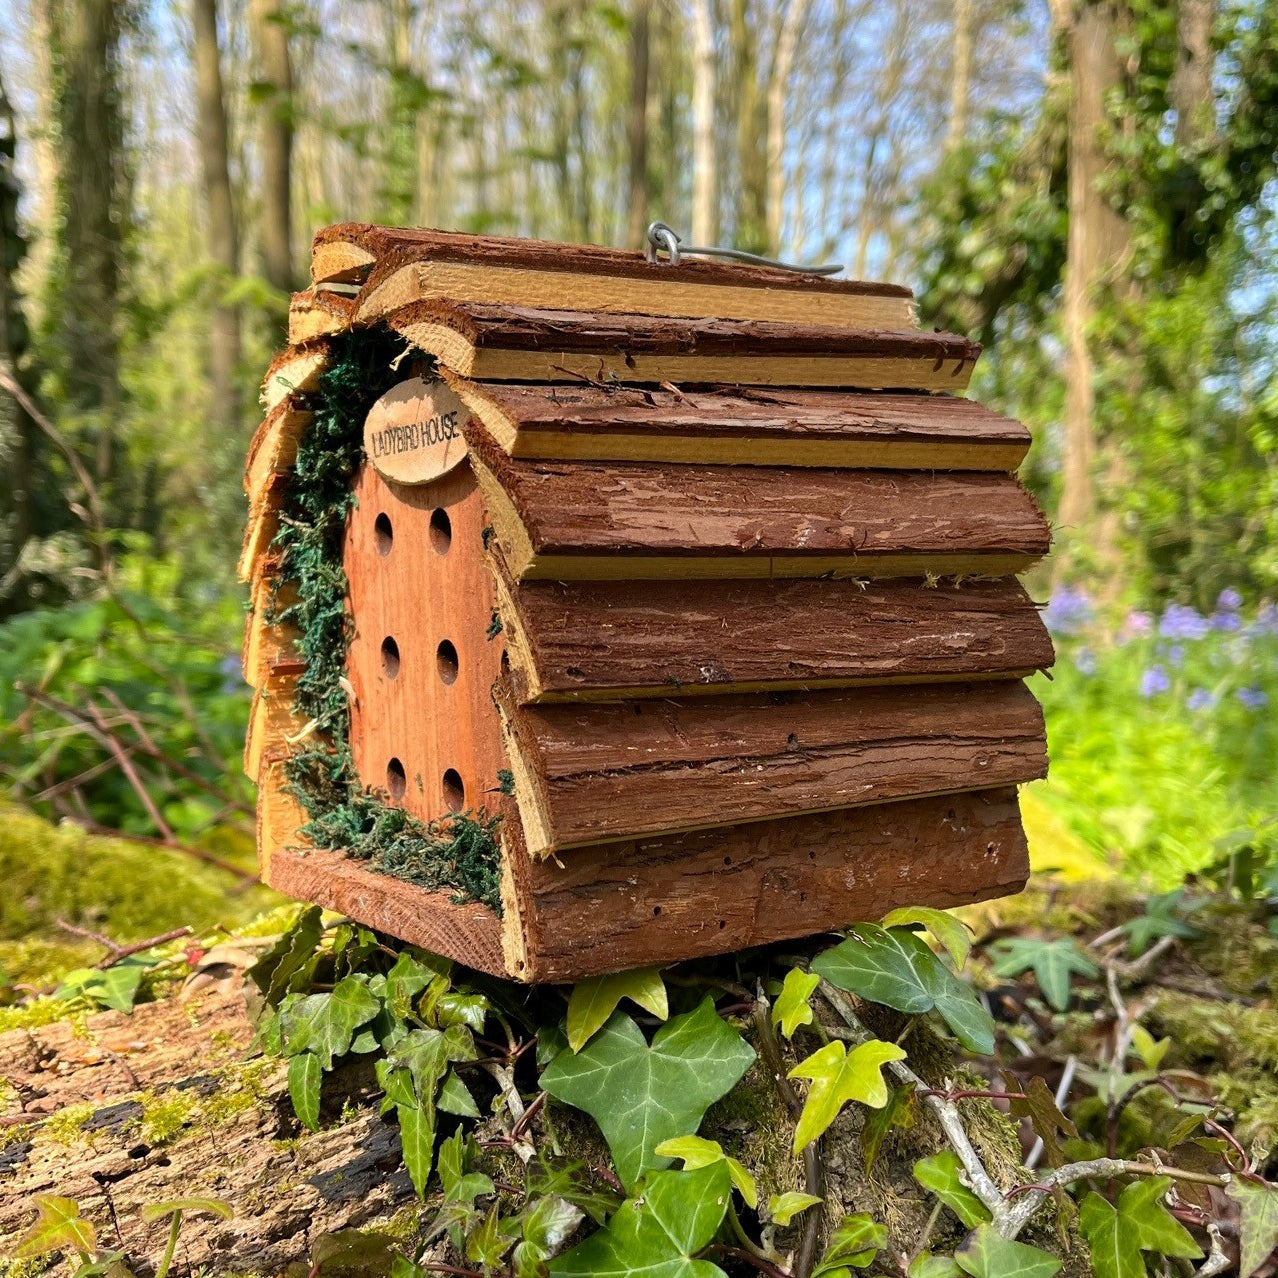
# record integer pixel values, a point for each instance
(610, 611)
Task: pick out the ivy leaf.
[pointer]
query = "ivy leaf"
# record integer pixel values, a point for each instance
(275, 970)
(1040, 1107)
(1118, 1233)
(697, 1152)
(572, 1180)
(953, 933)
(792, 1007)
(115, 987)
(641, 1095)
(985, 1253)
(404, 982)
(853, 1244)
(592, 1002)
(326, 1023)
(839, 1076)
(488, 1242)
(304, 1076)
(1054, 962)
(783, 1208)
(940, 1174)
(58, 1226)
(426, 1055)
(470, 1010)
(898, 1112)
(1150, 1051)
(658, 1234)
(897, 969)
(417, 1136)
(196, 1206)
(455, 1098)
(926, 1265)
(547, 1224)
(881, 966)
(1257, 1224)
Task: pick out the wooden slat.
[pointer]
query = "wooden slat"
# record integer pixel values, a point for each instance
(295, 371)
(272, 720)
(717, 891)
(763, 427)
(268, 645)
(612, 640)
(318, 313)
(274, 447)
(262, 525)
(403, 266)
(631, 520)
(521, 343)
(594, 773)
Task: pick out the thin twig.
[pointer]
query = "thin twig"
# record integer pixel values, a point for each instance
(115, 951)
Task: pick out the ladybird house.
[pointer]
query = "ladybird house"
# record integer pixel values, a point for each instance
(610, 612)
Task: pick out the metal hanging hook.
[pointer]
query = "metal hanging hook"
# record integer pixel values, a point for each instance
(664, 239)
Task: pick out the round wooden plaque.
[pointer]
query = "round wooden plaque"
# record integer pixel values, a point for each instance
(413, 433)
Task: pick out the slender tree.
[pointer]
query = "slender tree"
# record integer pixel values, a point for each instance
(789, 28)
(274, 89)
(219, 210)
(705, 183)
(637, 124)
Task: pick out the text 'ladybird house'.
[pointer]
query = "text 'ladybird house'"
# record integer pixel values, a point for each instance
(610, 612)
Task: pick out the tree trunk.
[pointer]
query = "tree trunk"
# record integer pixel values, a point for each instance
(705, 187)
(269, 21)
(637, 124)
(219, 203)
(789, 28)
(751, 130)
(1191, 85)
(960, 75)
(91, 196)
(17, 431)
(1095, 251)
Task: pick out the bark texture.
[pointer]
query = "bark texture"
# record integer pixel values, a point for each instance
(269, 20)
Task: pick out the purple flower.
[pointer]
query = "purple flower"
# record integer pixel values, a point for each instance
(1267, 619)
(1085, 661)
(1223, 620)
(1137, 625)
(1229, 600)
(1199, 699)
(1253, 698)
(1068, 612)
(1154, 681)
(1180, 621)
(232, 675)
(1176, 655)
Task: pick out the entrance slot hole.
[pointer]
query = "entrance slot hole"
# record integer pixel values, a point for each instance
(396, 779)
(454, 791)
(441, 531)
(390, 658)
(446, 661)
(384, 533)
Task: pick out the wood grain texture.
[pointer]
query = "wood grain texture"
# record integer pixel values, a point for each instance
(272, 719)
(421, 592)
(295, 371)
(717, 891)
(262, 525)
(583, 520)
(318, 313)
(609, 640)
(390, 247)
(728, 424)
(470, 934)
(273, 450)
(595, 773)
(520, 343)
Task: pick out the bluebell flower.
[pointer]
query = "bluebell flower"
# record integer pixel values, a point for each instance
(1154, 681)
(1176, 654)
(1180, 621)
(1085, 661)
(1137, 625)
(1199, 699)
(1253, 698)
(1068, 612)
(1229, 600)
(1222, 619)
(232, 675)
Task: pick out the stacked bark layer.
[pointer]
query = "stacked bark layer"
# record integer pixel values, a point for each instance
(732, 600)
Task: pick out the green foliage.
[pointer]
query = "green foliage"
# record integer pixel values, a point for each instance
(659, 1234)
(116, 986)
(641, 1094)
(697, 1152)
(1054, 963)
(941, 1174)
(954, 935)
(58, 1227)
(793, 1007)
(1118, 1234)
(838, 1076)
(986, 1254)
(894, 967)
(1258, 1222)
(854, 1244)
(593, 1001)
(783, 1208)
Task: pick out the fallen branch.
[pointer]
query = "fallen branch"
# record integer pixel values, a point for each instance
(115, 951)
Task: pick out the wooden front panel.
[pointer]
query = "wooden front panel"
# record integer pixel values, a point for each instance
(423, 724)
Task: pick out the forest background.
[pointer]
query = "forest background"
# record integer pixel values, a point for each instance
(1088, 188)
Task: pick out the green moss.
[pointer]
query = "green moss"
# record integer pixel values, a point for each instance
(38, 1012)
(66, 1127)
(460, 852)
(126, 890)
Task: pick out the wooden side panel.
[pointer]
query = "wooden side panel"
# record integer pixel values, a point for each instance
(595, 640)
(318, 313)
(593, 773)
(423, 709)
(295, 370)
(274, 448)
(618, 520)
(272, 720)
(718, 891)
(746, 426)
